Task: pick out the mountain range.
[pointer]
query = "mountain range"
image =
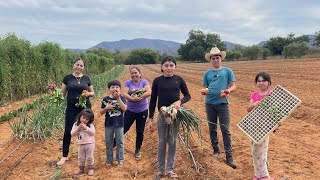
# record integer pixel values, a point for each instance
(163, 46)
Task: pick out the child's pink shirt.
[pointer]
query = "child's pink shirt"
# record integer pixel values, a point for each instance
(84, 136)
(255, 96)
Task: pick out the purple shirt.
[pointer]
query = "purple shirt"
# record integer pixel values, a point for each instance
(139, 106)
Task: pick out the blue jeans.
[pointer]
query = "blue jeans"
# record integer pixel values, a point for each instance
(118, 132)
(221, 111)
(166, 135)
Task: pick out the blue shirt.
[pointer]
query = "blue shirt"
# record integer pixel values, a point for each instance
(113, 118)
(217, 80)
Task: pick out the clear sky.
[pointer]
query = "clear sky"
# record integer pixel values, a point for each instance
(83, 24)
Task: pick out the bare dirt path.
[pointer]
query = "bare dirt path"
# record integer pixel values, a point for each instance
(293, 149)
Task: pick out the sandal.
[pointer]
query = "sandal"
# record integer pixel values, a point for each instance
(172, 174)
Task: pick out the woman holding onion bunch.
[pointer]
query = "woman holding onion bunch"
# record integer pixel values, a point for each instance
(136, 91)
(166, 90)
(73, 86)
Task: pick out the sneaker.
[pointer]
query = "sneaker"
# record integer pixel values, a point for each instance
(172, 174)
(108, 164)
(62, 161)
(229, 161)
(216, 153)
(159, 175)
(120, 164)
(137, 153)
(231, 164)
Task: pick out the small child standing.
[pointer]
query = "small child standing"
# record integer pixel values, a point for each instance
(260, 151)
(114, 106)
(84, 129)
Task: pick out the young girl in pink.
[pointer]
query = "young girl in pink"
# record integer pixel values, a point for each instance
(260, 151)
(84, 129)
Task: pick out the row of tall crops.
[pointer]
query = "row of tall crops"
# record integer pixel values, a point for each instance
(48, 116)
(27, 69)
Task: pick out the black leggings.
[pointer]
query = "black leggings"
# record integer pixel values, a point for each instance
(140, 118)
(70, 119)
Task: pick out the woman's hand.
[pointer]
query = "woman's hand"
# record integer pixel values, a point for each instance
(136, 98)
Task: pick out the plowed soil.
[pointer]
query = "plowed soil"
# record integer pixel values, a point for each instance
(294, 149)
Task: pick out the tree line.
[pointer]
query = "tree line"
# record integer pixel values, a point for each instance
(27, 69)
(288, 47)
(199, 43)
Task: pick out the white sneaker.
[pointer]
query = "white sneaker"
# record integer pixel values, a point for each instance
(62, 161)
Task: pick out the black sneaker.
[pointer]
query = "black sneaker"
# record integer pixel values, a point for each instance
(231, 163)
(137, 153)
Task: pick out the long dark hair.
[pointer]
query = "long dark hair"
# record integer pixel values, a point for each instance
(87, 114)
(264, 75)
(79, 59)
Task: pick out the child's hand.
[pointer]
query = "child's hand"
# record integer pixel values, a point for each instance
(83, 126)
(255, 104)
(110, 106)
(116, 94)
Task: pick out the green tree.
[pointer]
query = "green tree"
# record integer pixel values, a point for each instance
(265, 53)
(198, 44)
(252, 52)
(120, 57)
(317, 39)
(295, 49)
(142, 56)
(100, 52)
(234, 55)
(276, 44)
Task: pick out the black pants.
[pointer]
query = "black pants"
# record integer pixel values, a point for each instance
(70, 119)
(140, 118)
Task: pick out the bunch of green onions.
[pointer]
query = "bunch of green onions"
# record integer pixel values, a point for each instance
(188, 121)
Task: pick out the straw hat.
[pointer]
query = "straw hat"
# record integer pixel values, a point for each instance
(215, 51)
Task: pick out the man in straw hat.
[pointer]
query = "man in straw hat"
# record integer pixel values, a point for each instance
(220, 81)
